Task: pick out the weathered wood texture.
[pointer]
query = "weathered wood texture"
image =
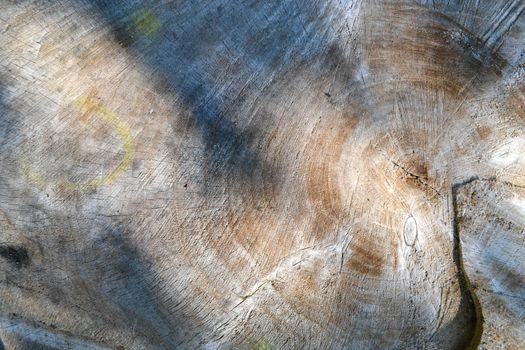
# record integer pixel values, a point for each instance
(262, 174)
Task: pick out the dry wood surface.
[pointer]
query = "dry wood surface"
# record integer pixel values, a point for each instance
(262, 174)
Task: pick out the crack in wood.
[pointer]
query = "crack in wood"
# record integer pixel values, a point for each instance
(463, 278)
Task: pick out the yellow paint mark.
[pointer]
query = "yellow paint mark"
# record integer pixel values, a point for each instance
(261, 345)
(89, 104)
(32, 176)
(146, 22)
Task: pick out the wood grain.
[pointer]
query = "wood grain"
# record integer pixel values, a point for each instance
(262, 174)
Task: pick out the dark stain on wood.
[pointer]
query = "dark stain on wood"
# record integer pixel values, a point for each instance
(122, 35)
(367, 257)
(484, 132)
(16, 255)
(419, 169)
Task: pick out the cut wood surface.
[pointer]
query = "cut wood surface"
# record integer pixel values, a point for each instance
(332, 174)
